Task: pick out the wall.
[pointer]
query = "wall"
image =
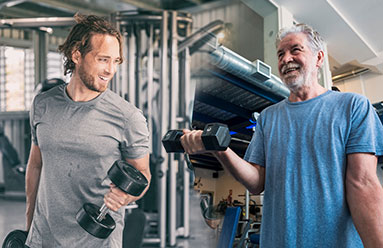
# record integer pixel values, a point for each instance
(220, 186)
(226, 182)
(369, 84)
(244, 32)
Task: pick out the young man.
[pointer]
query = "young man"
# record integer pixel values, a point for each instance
(314, 155)
(78, 131)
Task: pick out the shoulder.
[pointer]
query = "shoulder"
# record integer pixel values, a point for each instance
(274, 108)
(51, 94)
(120, 105)
(270, 113)
(347, 96)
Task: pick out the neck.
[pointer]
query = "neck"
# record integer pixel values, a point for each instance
(78, 92)
(307, 92)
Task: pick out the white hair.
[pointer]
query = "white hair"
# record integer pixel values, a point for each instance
(313, 37)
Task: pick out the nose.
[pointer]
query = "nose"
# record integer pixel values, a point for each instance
(286, 58)
(110, 68)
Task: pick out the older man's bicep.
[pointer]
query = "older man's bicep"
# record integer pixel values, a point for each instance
(365, 197)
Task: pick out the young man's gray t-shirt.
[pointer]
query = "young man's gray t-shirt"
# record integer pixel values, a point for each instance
(79, 141)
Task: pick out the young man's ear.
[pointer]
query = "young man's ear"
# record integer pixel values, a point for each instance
(76, 56)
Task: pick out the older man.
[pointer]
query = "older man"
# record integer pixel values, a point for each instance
(314, 155)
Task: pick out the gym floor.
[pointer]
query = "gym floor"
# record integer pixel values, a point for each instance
(12, 209)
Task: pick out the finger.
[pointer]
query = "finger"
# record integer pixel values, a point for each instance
(185, 131)
(115, 198)
(111, 203)
(118, 195)
(192, 142)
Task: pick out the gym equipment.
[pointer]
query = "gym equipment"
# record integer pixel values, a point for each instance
(133, 233)
(15, 239)
(215, 137)
(95, 220)
(229, 227)
(48, 84)
(8, 150)
(210, 213)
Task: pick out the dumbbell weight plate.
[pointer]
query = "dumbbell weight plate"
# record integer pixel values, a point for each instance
(127, 178)
(172, 142)
(216, 137)
(15, 239)
(87, 219)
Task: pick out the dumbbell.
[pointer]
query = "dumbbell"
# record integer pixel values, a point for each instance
(215, 137)
(15, 239)
(97, 221)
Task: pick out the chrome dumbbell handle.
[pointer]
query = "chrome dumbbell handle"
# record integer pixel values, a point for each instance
(103, 211)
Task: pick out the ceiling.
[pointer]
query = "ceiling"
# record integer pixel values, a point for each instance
(352, 30)
(44, 8)
(353, 41)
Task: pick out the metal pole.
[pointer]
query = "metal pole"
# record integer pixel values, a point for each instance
(115, 83)
(138, 34)
(247, 202)
(185, 100)
(131, 66)
(150, 67)
(164, 105)
(247, 216)
(124, 79)
(40, 48)
(173, 101)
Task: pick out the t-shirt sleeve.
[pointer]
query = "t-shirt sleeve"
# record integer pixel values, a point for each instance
(135, 141)
(255, 152)
(366, 134)
(33, 119)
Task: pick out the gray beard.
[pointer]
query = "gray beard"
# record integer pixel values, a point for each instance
(296, 85)
(299, 83)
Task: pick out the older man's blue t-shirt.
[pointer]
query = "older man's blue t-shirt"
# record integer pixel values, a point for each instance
(303, 147)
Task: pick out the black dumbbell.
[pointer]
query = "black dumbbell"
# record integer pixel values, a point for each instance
(95, 220)
(215, 137)
(15, 239)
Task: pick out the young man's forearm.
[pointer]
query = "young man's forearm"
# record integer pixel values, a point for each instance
(32, 180)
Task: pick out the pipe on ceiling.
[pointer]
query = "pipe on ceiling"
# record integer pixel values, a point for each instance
(257, 73)
(349, 74)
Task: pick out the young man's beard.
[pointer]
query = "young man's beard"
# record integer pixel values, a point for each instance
(89, 81)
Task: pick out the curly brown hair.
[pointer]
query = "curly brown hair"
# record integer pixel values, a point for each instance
(79, 38)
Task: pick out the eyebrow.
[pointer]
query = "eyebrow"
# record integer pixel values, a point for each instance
(103, 56)
(293, 46)
(108, 57)
(297, 45)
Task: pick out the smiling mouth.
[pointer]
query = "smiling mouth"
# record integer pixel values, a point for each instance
(103, 78)
(289, 68)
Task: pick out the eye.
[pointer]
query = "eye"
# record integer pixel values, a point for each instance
(296, 50)
(103, 60)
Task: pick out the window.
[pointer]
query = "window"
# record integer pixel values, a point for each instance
(16, 76)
